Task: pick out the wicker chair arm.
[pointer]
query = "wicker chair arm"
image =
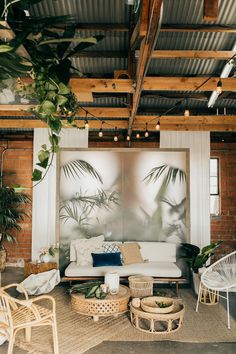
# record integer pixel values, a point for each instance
(46, 297)
(15, 285)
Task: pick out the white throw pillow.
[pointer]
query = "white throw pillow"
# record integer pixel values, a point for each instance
(84, 248)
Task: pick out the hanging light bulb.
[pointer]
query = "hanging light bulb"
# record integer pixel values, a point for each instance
(219, 87)
(186, 111)
(137, 136)
(86, 123)
(115, 136)
(158, 125)
(128, 138)
(146, 134)
(100, 133)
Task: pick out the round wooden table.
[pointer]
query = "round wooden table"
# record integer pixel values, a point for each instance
(158, 323)
(112, 305)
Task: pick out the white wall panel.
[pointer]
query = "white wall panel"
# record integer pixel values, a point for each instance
(44, 194)
(199, 146)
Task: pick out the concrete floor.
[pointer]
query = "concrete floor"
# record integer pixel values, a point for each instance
(11, 275)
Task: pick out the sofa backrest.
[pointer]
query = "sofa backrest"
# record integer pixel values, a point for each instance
(158, 251)
(152, 251)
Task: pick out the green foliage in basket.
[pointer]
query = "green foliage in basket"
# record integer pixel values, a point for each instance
(90, 290)
(163, 304)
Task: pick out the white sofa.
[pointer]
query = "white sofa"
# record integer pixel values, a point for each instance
(160, 262)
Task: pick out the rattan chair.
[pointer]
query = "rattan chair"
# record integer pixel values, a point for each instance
(24, 314)
(220, 277)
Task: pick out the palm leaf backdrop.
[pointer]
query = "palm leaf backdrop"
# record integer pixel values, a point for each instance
(79, 208)
(170, 173)
(78, 168)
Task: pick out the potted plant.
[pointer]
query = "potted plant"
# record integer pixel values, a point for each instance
(197, 258)
(11, 213)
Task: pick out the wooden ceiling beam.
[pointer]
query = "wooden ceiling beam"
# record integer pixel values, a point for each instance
(140, 30)
(193, 54)
(187, 84)
(210, 10)
(153, 9)
(198, 28)
(204, 122)
(99, 112)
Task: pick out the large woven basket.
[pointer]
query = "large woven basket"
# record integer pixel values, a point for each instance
(140, 286)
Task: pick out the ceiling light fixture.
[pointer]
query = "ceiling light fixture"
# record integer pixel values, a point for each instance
(158, 125)
(86, 123)
(219, 87)
(115, 136)
(100, 133)
(128, 138)
(146, 134)
(137, 136)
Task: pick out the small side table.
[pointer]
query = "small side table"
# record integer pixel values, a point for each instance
(35, 268)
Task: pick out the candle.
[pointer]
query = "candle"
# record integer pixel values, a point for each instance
(112, 280)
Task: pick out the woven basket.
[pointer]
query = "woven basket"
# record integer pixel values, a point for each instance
(140, 286)
(149, 304)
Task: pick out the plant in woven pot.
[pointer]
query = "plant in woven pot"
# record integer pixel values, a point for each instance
(197, 258)
(11, 214)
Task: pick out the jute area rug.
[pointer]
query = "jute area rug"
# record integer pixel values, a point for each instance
(79, 333)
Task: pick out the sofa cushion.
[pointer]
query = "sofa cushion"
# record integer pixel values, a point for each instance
(106, 259)
(110, 247)
(158, 251)
(131, 253)
(84, 248)
(155, 269)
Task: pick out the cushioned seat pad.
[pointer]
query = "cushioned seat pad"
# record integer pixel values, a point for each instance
(155, 269)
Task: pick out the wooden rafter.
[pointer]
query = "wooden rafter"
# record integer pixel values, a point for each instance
(198, 28)
(193, 54)
(211, 123)
(147, 46)
(210, 10)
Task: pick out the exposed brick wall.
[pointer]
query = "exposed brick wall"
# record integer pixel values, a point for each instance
(224, 226)
(18, 160)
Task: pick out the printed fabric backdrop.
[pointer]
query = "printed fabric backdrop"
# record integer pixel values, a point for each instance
(124, 195)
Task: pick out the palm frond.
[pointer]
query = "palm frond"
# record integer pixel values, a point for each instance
(78, 168)
(171, 174)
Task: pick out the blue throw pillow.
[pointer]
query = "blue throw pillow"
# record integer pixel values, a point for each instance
(106, 259)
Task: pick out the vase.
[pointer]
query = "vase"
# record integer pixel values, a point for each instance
(112, 280)
(45, 258)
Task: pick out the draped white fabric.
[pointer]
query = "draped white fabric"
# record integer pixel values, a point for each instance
(44, 194)
(199, 147)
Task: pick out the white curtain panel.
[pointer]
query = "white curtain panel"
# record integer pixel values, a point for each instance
(199, 147)
(44, 195)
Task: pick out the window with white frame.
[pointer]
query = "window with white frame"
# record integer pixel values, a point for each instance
(214, 187)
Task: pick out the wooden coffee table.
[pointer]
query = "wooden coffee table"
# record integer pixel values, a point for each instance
(112, 305)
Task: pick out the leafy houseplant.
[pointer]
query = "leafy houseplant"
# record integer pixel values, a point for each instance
(11, 213)
(197, 258)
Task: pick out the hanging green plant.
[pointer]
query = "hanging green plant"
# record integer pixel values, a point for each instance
(51, 68)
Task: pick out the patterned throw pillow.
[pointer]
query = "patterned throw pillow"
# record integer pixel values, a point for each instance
(84, 248)
(110, 247)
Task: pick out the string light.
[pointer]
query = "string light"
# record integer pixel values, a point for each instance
(219, 87)
(100, 133)
(115, 136)
(86, 123)
(158, 125)
(146, 134)
(186, 111)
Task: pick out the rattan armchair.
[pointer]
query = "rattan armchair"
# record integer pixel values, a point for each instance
(24, 314)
